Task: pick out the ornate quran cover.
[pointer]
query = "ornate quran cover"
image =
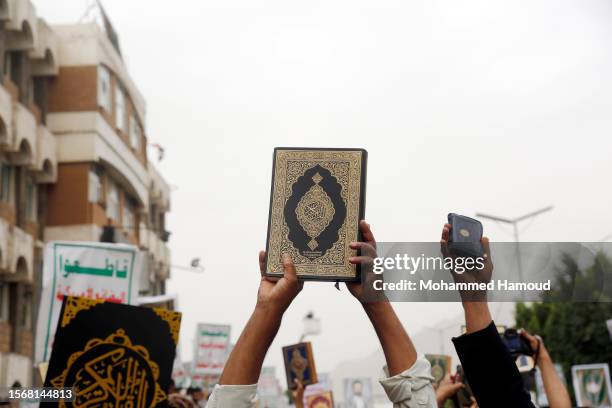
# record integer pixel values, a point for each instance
(299, 364)
(440, 366)
(113, 354)
(317, 200)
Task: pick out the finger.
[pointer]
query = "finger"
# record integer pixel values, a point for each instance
(364, 248)
(446, 232)
(289, 269)
(455, 387)
(262, 262)
(486, 248)
(366, 233)
(444, 248)
(361, 260)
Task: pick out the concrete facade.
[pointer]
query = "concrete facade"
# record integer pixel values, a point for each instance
(73, 165)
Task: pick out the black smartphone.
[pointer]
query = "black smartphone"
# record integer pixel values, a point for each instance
(465, 236)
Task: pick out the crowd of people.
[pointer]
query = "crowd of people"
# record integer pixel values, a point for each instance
(487, 365)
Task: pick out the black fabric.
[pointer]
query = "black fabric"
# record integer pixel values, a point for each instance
(490, 370)
(113, 354)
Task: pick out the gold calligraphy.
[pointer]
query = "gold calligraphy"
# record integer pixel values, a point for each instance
(112, 373)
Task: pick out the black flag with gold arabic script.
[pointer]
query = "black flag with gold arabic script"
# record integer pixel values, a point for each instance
(113, 354)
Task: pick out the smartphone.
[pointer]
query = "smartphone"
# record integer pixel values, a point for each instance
(465, 236)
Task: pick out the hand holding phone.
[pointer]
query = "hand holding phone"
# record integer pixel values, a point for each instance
(465, 236)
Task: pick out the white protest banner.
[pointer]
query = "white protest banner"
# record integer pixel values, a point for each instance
(87, 269)
(211, 348)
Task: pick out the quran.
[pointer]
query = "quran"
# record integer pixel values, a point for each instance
(299, 364)
(316, 202)
(113, 354)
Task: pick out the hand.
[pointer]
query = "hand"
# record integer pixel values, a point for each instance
(276, 296)
(367, 253)
(446, 389)
(298, 393)
(475, 275)
(537, 345)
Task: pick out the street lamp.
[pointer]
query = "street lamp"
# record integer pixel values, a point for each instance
(514, 222)
(194, 266)
(312, 326)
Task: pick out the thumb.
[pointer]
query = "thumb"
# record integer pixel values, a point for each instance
(289, 268)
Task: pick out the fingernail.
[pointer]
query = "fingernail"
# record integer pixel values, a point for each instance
(286, 258)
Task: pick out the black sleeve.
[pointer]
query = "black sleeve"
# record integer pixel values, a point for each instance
(490, 370)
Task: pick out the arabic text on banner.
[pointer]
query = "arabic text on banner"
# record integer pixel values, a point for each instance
(88, 269)
(212, 345)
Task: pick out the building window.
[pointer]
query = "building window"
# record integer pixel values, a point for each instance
(5, 183)
(26, 311)
(104, 89)
(31, 199)
(112, 201)
(135, 133)
(128, 217)
(4, 302)
(95, 192)
(120, 113)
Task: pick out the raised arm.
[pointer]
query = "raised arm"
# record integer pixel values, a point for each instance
(556, 392)
(403, 366)
(237, 385)
(488, 365)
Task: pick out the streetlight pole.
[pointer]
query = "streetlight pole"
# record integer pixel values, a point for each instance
(514, 222)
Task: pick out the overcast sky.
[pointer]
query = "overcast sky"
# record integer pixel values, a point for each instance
(495, 106)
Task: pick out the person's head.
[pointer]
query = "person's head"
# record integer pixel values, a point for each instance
(357, 387)
(196, 393)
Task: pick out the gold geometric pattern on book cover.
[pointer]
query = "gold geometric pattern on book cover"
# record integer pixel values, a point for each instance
(315, 211)
(112, 375)
(345, 167)
(173, 319)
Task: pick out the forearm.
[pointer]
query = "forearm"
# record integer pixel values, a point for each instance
(396, 344)
(244, 364)
(477, 316)
(556, 392)
(483, 352)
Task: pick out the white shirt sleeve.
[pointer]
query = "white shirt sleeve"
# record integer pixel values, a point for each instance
(234, 396)
(412, 388)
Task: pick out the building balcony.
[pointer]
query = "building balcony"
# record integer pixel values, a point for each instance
(22, 145)
(45, 164)
(6, 116)
(159, 254)
(159, 190)
(21, 24)
(45, 52)
(16, 254)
